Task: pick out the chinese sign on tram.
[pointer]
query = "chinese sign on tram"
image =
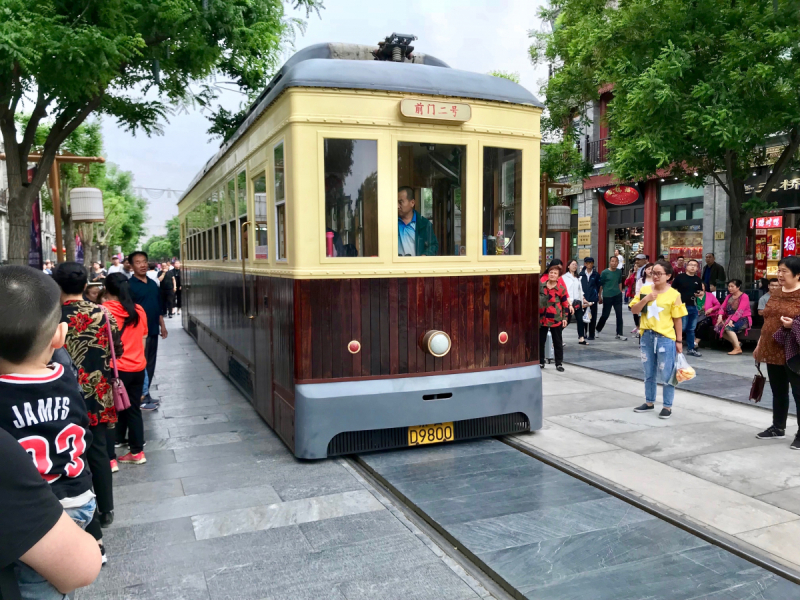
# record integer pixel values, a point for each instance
(435, 111)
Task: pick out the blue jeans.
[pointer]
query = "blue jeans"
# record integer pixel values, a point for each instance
(689, 325)
(146, 388)
(33, 586)
(658, 362)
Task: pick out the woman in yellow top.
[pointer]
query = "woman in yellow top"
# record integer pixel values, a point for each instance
(662, 336)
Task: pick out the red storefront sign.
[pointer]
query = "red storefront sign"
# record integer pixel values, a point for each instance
(789, 242)
(767, 222)
(621, 195)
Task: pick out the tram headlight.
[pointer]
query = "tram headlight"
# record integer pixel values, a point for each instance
(436, 343)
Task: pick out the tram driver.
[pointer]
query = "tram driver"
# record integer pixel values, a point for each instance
(415, 235)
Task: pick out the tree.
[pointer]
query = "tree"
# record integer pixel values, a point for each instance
(129, 59)
(165, 247)
(700, 86)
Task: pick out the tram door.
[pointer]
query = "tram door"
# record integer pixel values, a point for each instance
(262, 349)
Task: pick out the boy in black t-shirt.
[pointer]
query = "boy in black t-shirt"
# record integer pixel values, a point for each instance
(41, 404)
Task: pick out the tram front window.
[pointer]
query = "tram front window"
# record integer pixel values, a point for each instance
(351, 198)
(431, 180)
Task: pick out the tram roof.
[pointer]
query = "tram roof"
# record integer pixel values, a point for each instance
(322, 66)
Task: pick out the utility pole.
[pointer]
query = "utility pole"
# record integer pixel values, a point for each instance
(55, 187)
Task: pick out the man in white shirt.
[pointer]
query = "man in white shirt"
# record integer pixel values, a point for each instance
(115, 267)
(620, 259)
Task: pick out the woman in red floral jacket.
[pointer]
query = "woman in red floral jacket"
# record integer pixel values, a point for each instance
(88, 345)
(554, 309)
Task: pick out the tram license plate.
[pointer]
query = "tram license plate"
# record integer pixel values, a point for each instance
(430, 434)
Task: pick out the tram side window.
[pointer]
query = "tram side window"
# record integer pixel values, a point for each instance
(502, 201)
(431, 180)
(232, 214)
(241, 210)
(260, 213)
(280, 202)
(224, 230)
(351, 198)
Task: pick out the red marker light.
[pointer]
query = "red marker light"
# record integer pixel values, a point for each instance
(354, 347)
(503, 337)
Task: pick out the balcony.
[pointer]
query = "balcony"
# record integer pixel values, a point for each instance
(597, 151)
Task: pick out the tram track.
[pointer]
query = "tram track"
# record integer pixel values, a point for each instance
(494, 582)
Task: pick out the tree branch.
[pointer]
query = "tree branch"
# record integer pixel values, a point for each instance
(721, 184)
(38, 113)
(780, 164)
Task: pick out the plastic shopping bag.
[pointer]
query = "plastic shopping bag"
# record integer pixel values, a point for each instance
(683, 371)
(587, 315)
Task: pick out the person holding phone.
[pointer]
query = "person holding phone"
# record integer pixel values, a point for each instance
(661, 328)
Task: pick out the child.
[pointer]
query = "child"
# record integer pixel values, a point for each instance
(41, 403)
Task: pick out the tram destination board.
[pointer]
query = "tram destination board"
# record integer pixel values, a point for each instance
(419, 435)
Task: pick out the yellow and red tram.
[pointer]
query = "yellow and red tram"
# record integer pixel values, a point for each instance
(349, 324)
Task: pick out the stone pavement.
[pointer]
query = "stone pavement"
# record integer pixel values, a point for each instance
(718, 375)
(222, 510)
(704, 464)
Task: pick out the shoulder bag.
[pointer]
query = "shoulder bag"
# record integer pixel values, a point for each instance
(121, 400)
(757, 387)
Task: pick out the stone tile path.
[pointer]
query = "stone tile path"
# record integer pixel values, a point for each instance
(704, 464)
(222, 510)
(550, 536)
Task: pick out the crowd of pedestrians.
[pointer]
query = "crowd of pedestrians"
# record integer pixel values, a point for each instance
(68, 336)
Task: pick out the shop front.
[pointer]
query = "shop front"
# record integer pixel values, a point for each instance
(624, 221)
(772, 236)
(680, 221)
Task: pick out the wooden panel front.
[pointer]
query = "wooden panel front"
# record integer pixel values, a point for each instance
(388, 316)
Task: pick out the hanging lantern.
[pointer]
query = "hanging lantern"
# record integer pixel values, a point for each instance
(558, 218)
(87, 205)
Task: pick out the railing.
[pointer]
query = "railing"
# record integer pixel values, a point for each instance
(597, 151)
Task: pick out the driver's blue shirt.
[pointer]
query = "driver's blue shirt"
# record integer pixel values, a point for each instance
(407, 236)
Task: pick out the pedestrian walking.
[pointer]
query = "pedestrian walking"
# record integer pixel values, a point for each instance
(661, 327)
(645, 278)
(131, 366)
(590, 282)
(88, 345)
(689, 286)
(167, 288)
(115, 267)
(611, 281)
(780, 314)
(145, 292)
(572, 281)
(554, 308)
(734, 316)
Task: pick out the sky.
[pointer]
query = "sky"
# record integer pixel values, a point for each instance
(476, 35)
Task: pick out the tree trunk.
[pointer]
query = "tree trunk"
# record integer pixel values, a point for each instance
(69, 235)
(19, 224)
(735, 268)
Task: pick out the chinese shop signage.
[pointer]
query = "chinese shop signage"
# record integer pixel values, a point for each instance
(435, 111)
(766, 222)
(621, 195)
(789, 241)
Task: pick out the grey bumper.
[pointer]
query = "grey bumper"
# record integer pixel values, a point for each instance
(323, 410)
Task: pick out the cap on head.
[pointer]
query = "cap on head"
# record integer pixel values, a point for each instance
(640, 256)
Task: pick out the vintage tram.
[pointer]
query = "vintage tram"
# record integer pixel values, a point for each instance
(351, 322)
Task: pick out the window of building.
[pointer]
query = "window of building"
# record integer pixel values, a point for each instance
(681, 234)
(665, 214)
(431, 191)
(241, 194)
(216, 243)
(351, 197)
(502, 201)
(224, 231)
(260, 214)
(280, 202)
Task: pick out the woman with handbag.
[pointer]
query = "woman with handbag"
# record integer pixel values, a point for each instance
(89, 345)
(781, 309)
(572, 281)
(131, 366)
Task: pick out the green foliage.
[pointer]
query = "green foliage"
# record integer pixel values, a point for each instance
(699, 86)
(510, 75)
(134, 61)
(165, 247)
